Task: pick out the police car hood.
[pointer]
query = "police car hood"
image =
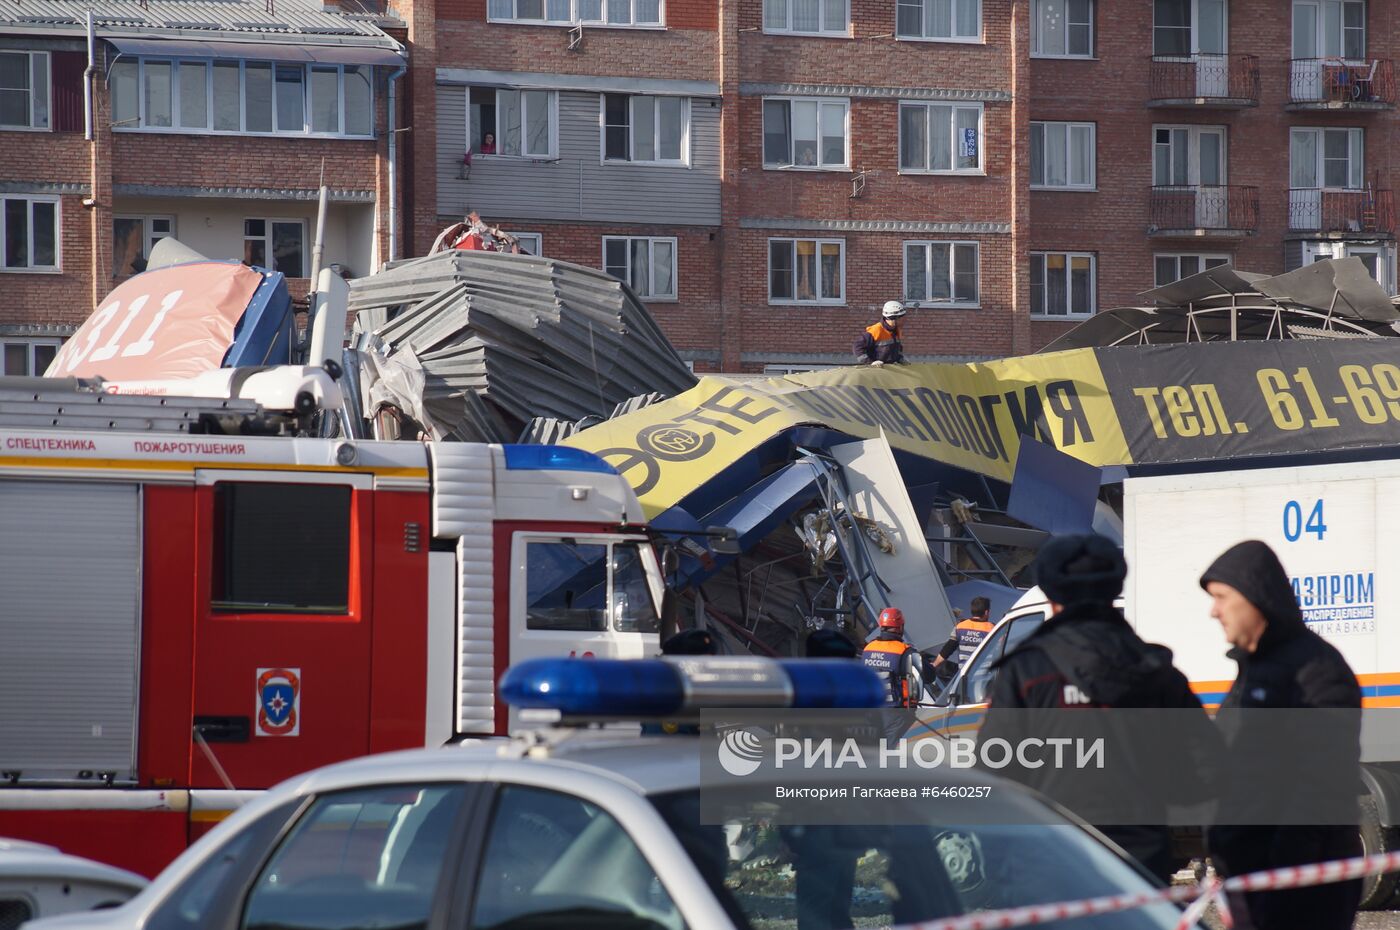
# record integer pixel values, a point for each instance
(1096, 649)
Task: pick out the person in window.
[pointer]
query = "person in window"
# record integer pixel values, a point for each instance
(808, 157)
(488, 144)
(880, 344)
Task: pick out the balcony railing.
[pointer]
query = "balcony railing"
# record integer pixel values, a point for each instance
(1361, 212)
(1196, 209)
(1331, 83)
(1204, 80)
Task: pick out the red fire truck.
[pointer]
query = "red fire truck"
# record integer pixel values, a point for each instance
(186, 617)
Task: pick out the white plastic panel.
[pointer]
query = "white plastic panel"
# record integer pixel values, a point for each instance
(70, 591)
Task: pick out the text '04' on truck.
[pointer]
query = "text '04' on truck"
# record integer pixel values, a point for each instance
(189, 618)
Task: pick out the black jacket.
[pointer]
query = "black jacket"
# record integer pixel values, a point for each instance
(1088, 657)
(1291, 667)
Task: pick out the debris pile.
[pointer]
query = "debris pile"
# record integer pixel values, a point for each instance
(497, 340)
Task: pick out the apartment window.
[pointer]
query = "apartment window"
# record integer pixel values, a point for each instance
(1062, 284)
(133, 237)
(1062, 28)
(1331, 158)
(807, 17)
(939, 137)
(1062, 155)
(569, 12)
(806, 271)
(647, 264)
(941, 273)
(651, 130)
(1189, 27)
(518, 123)
(530, 243)
(24, 90)
(27, 357)
(1329, 29)
(29, 227)
(942, 20)
(228, 96)
(276, 244)
(1174, 267)
(804, 133)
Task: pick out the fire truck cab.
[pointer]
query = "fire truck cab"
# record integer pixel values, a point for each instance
(188, 617)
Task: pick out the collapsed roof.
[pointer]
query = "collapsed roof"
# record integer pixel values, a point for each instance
(1331, 299)
(497, 340)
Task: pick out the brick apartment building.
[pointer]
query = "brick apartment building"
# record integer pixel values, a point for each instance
(206, 121)
(1007, 166)
(768, 172)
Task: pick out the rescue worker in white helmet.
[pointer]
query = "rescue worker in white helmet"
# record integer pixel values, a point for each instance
(879, 344)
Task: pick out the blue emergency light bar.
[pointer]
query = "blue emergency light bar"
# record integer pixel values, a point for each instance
(555, 458)
(639, 688)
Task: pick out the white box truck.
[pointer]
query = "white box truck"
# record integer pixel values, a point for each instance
(1334, 527)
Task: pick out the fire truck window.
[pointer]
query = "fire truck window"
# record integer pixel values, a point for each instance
(370, 857)
(566, 586)
(281, 548)
(633, 610)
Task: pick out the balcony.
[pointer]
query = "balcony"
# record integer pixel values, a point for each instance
(1334, 84)
(1221, 82)
(1365, 214)
(1204, 211)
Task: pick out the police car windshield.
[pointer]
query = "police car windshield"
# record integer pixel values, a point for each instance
(775, 877)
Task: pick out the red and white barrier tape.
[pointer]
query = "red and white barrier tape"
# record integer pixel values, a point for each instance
(1200, 896)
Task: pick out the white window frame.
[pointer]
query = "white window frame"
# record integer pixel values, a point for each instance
(578, 12)
(304, 131)
(682, 162)
(821, 30)
(1193, 154)
(537, 239)
(927, 300)
(32, 343)
(651, 296)
(47, 125)
(31, 268)
(1037, 35)
(1069, 261)
(843, 102)
(553, 152)
(1342, 28)
(1356, 156)
(1220, 258)
(1194, 31)
(952, 109)
(1070, 127)
(795, 301)
(148, 234)
(267, 241)
(925, 6)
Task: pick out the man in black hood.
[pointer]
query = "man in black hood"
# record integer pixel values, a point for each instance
(1085, 657)
(1283, 664)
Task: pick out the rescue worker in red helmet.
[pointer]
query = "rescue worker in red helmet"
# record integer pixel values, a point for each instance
(895, 660)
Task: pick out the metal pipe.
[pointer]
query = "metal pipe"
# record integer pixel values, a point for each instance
(393, 166)
(87, 81)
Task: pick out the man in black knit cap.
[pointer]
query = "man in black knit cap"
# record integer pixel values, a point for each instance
(1086, 656)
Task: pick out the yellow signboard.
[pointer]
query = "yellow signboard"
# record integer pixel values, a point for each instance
(968, 415)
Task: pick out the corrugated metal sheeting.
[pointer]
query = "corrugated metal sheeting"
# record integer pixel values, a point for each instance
(503, 339)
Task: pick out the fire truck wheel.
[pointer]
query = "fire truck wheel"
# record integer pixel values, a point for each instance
(1377, 890)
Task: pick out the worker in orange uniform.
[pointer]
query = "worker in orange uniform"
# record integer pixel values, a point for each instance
(879, 344)
(968, 634)
(895, 660)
